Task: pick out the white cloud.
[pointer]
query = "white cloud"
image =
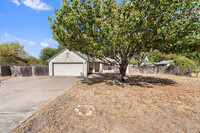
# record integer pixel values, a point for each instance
(37, 5)
(44, 44)
(51, 42)
(16, 2)
(6, 34)
(10, 37)
(31, 43)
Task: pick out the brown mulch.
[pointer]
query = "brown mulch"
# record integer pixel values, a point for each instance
(147, 103)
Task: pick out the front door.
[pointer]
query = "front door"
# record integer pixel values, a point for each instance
(96, 67)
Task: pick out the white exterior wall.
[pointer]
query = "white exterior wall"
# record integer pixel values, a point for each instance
(62, 58)
(85, 65)
(108, 71)
(128, 68)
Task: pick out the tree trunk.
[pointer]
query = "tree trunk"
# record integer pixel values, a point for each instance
(122, 69)
(138, 58)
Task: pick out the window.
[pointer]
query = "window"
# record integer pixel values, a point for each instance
(108, 67)
(90, 66)
(67, 54)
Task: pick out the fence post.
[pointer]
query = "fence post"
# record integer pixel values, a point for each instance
(0, 71)
(33, 70)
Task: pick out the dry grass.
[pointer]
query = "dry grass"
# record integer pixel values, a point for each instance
(4, 78)
(149, 103)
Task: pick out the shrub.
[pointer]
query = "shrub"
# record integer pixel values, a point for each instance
(196, 72)
(184, 63)
(195, 56)
(134, 62)
(171, 56)
(156, 56)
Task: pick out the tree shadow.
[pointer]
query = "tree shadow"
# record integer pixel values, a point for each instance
(134, 80)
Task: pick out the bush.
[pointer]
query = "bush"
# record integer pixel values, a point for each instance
(196, 72)
(195, 56)
(134, 62)
(171, 56)
(185, 63)
(156, 56)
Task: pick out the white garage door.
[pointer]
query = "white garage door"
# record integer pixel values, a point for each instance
(68, 69)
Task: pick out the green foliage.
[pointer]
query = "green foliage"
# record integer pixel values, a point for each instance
(156, 56)
(134, 62)
(184, 63)
(60, 47)
(196, 72)
(195, 56)
(106, 29)
(46, 54)
(171, 56)
(141, 57)
(12, 53)
(32, 61)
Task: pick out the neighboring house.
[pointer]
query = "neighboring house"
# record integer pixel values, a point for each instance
(68, 63)
(161, 63)
(164, 63)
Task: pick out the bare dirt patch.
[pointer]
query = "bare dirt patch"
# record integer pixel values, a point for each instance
(148, 103)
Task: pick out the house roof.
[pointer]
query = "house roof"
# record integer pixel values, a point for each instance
(165, 62)
(56, 54)
(83, 56)
(88, 59)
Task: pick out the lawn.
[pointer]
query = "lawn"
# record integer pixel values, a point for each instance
(148, 103)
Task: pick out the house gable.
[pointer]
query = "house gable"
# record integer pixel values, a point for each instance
(66, 56)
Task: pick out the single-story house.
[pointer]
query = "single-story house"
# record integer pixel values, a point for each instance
(69, 63)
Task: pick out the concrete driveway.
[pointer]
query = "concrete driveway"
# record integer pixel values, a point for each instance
(20, 97)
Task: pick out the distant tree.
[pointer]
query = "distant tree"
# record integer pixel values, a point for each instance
(12, 53)
(184, 63)
(103, 28)
(46, 54)
(195, 56)
(156, 56)
(32, 61)
(60, 47)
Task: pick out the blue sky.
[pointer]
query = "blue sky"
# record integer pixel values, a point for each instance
(26, 21)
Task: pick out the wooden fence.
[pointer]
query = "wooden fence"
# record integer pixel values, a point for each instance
(5, 71)
(158, 70)
(24, 70)
(41, 70)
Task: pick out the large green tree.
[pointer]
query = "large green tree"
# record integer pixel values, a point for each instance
(32, 61)
(46, 54)
(103, 28)
(12, 53)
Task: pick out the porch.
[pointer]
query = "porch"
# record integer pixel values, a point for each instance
(96, 67)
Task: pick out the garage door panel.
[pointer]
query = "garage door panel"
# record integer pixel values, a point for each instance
(68, 69)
